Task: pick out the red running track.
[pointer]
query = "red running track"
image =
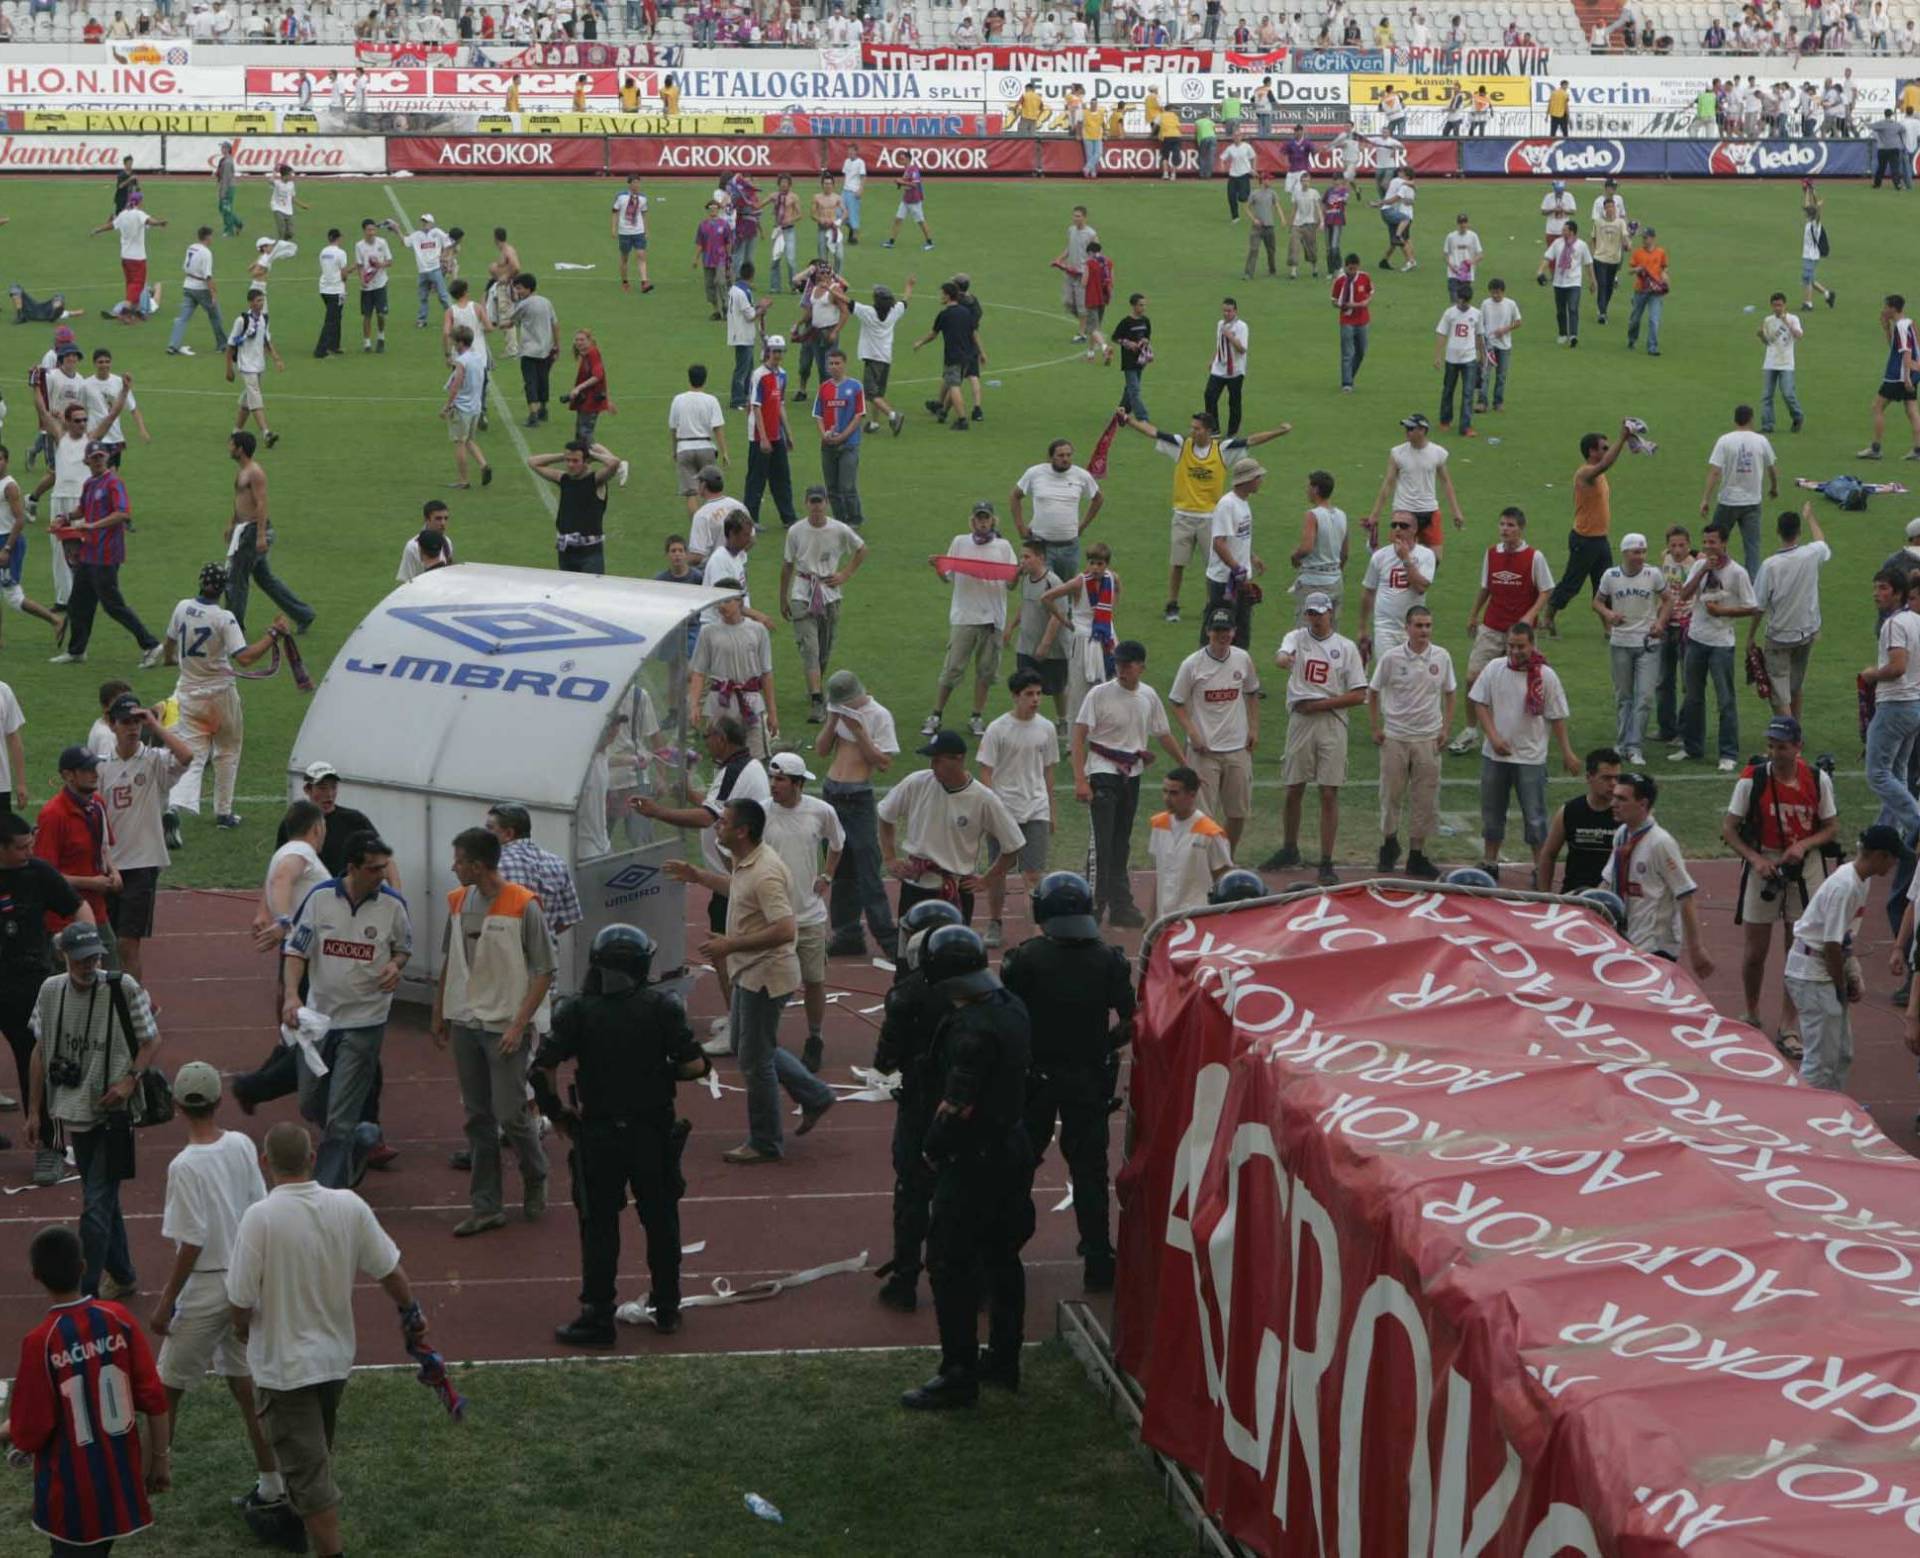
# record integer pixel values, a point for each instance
(500, 1295)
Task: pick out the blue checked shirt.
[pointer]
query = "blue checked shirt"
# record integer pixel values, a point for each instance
(526, 864)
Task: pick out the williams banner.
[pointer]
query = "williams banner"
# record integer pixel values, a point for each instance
(1458, 1226)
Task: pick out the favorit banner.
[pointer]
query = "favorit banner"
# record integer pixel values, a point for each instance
(1458, 1226)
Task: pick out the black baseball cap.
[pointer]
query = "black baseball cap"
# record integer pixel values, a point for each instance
(946, 743)
(1219, 620)
(124, 707)
(77, 757)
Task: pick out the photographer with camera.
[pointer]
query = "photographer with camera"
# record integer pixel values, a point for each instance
(95, 1035)
(1781, 822)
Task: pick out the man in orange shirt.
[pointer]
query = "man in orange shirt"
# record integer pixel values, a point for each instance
(1589, 552)
(1649, 262)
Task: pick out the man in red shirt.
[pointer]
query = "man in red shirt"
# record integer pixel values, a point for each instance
(72, 837)
(1352, 291)
(85, 1371)
(98, 535)
(588, 397)
(768, 439)
(1515, 583)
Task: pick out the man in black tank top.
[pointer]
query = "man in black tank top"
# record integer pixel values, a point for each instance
(1585, 826)
(579, 525)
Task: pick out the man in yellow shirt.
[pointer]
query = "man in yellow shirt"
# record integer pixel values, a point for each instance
(1029, 111)
(1093, 134)
(670, 96)
(1559, 102)
(629, 95)
(1167, 127)
(1150, 111)
(1910, 98)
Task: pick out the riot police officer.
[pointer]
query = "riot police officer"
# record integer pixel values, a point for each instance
(1237, 885)
(913, 1012)
(983, 1163)
(1070, 980)
(629, 1045)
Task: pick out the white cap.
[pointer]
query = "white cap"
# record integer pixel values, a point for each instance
(318, 771)
(789, 764)
(1633, 541)
(1913, 530)
(264, 243)
(776, 343)
(427, 217)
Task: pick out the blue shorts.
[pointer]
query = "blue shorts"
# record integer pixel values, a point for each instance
(10, 575)
(1393, 216)
(1806, 271)
(630, 242)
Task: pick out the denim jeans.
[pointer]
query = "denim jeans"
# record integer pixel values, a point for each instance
(742, 373)
(493, 1088)
(1130, 394)
(429, 284)
(850, 202)
(1566, 312)
(840, 471)
(1635, 669)
(1458, 375)
(1745, 518)
(250, 567)
(1890, 740)
(336, 1101)
(1335, 231)
(1353, 352)
(858, 884)
(1704, 660)
(103, 1232)
(1782, 380)
(1649, 304)
(766, 1068)
(1666, 721)
(1502, 355)
(1063, 557)
(1499, 782)
(189, 301)
(1605, 274)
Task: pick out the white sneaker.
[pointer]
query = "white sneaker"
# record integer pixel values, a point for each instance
(621, 475)
(153, 657)
(1677, 755)
(1726, 765)
(719, 1024)
(179, 351)
(1637, 757)
(64, 659)
(720, 1046)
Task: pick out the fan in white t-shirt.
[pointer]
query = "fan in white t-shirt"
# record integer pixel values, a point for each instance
(207, 643)
(1017, 758)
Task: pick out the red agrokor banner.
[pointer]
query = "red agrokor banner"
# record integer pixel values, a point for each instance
(1458, 1227)
(496, 154)
(1004, 157)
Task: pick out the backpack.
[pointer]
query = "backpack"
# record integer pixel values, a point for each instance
(1820, 241)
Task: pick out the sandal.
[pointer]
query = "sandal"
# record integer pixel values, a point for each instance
(1787, 1041)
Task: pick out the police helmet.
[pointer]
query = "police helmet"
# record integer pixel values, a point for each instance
(1236, 885)
(622, 955)
(1470, 876)
(1063, 907)
(930, 913)
(954, 960)
(1608, 903)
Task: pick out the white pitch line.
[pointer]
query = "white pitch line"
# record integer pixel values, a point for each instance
(549, 497)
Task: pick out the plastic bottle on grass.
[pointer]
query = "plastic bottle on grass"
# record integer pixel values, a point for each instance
(764, 1510)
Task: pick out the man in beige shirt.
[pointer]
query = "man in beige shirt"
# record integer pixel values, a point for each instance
(759, 957)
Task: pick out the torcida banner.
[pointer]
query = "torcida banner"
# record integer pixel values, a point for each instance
(1458, 1226)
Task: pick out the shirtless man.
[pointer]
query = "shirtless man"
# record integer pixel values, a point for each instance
(249, 535)
(504, 266)
(829, 219)
(858, 741)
